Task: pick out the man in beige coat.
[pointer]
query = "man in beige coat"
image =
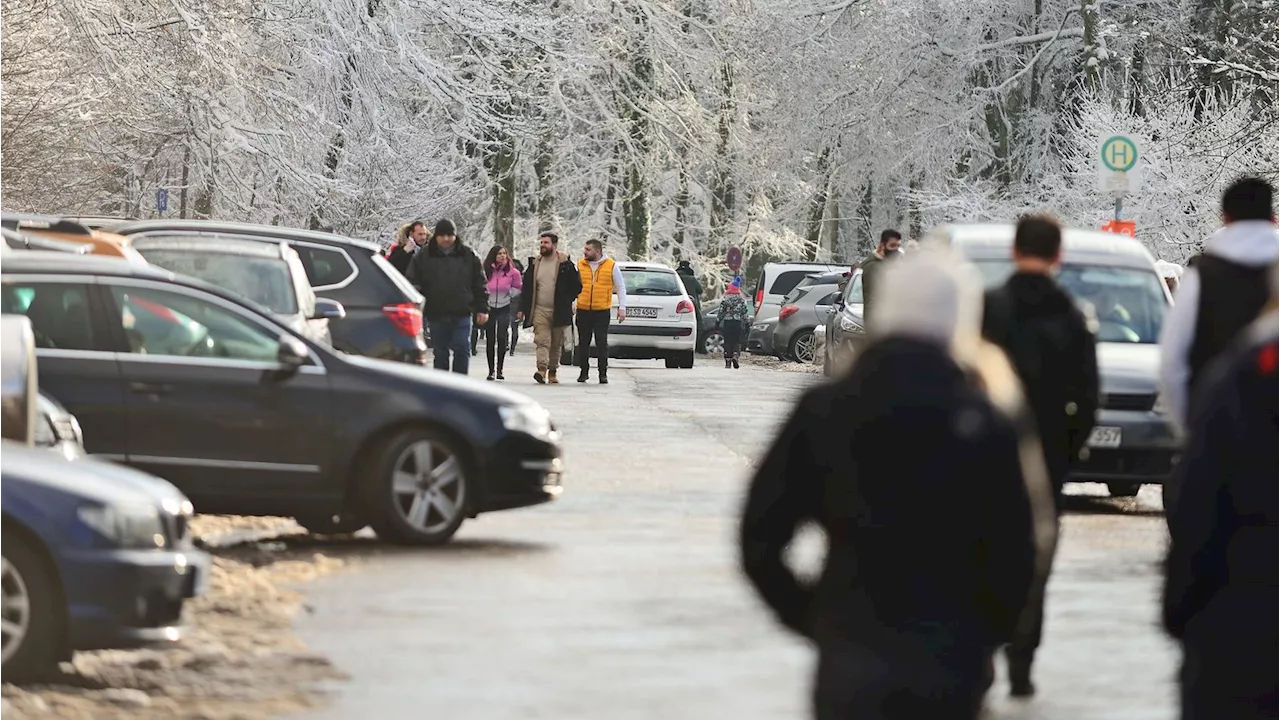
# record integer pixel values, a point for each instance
(551, 284)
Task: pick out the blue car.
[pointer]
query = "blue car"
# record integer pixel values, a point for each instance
(96, 556)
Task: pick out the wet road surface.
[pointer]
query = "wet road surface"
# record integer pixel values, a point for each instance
(623, 599)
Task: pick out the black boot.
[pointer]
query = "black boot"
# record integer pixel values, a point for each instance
(735, 361)
(728, 363)
(604, 379)
(582, 375)
(1020, 685)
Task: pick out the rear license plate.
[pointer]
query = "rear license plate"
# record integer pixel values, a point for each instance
(643, 312)
(1105, 437)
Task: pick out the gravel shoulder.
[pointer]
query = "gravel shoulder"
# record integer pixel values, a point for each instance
(239, 658)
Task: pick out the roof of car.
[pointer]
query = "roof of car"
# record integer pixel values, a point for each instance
(39, 261)
(51, 223)
(1077, 245)
(219, 246)
(638, 265)
(269, 231)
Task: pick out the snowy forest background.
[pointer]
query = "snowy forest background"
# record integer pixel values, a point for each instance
(672, 128)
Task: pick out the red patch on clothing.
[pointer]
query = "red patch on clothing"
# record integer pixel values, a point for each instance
(1268, 359)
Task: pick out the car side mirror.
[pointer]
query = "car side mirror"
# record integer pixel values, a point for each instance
(292, 353)
(327, 309)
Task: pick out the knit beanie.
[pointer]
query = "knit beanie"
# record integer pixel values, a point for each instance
(444, 227)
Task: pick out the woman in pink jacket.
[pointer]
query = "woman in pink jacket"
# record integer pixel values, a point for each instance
(505, 284)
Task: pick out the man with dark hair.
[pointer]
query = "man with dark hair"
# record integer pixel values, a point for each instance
(601, 279)
(1052, 349)
(889, 249)
(1219, 294)
(551, 284)
(451, 278)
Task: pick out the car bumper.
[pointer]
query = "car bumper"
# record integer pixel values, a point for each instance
(760, 342)
(1147, 452)
(523, 470)
(131, 598)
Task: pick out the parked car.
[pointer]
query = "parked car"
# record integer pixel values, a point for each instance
(710, 338)
(778, 279)
(102, 222)
(198, 385)
(804, 309)
(57, 429)
(1132, 442)
(70, 231)
(94, 555)
(383, 310)
(14, 240)
(846, 330)
(661, 323)
(269, 274)
(760, 337)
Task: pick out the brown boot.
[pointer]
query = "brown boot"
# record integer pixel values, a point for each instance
(551, 378)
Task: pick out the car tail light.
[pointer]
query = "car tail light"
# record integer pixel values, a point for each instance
(684, 306)
(759, 299)
(787, 311)
(407, 318)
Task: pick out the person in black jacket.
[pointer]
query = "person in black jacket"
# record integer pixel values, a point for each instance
(926, 571)
(551, 285)
(1052, 349)
(449, 275)
(408, 241)
(1220, 592)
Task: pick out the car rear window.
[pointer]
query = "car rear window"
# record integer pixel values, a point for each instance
(787, 281)
(652, 282)
(265, 281)
(325, 267)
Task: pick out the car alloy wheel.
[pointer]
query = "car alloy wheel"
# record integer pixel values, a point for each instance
(15, 609)
(714, 343)
(802, 347)
(429, 487)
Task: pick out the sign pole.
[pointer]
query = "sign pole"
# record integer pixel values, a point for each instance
(1119, 204)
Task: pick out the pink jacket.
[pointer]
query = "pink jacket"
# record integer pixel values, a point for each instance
(504, 285)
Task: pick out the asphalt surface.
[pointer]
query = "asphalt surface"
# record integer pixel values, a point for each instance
(624, 600)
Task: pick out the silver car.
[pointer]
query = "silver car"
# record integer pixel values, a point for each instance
(804, 309)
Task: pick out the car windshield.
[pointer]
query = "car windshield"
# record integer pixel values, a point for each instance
(646, 281)
(1129, 303)
(265, 281)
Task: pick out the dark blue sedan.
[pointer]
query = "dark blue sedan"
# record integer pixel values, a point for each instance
(96, 555)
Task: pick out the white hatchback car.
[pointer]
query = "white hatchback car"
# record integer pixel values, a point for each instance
(661, 322)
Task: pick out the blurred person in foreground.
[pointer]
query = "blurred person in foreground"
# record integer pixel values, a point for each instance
(1221, 588)
(1051, 345)
(1221, 292)
(931, 498)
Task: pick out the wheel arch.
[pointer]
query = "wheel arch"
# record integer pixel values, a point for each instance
(33, 541)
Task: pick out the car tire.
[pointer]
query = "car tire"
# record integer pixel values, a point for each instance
(671, 362)
(1123, 490)
(408, 499)
(26, 574)
(802, 341)
(343, 523)
(685, 359)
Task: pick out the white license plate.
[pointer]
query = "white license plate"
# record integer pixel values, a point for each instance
(642, 312)
(1105, 437)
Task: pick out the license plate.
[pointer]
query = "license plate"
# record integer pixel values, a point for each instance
(642, 312)
(1105, 437)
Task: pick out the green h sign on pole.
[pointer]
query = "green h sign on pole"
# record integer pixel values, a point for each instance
(1119, 153)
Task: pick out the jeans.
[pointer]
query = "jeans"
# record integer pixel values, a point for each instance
(451, 335)
(496, 333)
(593, 323)
(732, 331)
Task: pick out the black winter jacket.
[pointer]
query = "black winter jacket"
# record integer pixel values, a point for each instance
(916, 479)
(568, 287)
(400, 258)
(453, 283)
(1051, 347)
(1222, 584)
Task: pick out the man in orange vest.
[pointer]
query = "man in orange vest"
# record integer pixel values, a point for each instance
(601, 279)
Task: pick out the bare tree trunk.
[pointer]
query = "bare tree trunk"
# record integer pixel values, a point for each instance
(722, 192)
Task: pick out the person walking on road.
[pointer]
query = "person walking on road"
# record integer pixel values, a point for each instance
(515, 303)
(925, 573)
(451, 278)
(601, 280)
(408, 240)
(1220, 592)
(694, 287)
(1220, 293)
(504, 283)
(551, 285)
(888, 251)
(733, 317)
(1051, 347)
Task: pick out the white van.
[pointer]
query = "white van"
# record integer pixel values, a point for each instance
(778, 279)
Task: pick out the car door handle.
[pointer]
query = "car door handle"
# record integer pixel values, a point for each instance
(145, 388)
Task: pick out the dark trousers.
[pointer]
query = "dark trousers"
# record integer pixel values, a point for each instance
(451, 336)
(732, 331)
(593, 323)
(859, 683)
(1021, 650)
(515, 332)
(496, 333)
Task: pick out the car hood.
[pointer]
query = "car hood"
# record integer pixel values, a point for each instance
(93, 480)
(1126, 368)
(438, 380)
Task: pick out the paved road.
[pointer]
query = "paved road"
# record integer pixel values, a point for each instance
(623, 600)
